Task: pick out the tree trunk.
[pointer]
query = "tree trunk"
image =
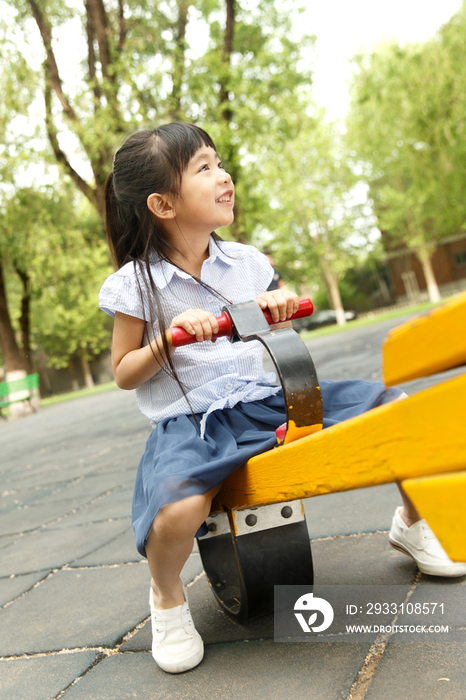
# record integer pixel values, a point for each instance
(425, 258)
(72, 373)
(227, 111)
(229, 154)
(332, 285)
(176, 112)
(12, 355)
(88, 381)
(25, 318)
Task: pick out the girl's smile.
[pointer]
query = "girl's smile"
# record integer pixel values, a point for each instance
(207, 194)
(226, 198)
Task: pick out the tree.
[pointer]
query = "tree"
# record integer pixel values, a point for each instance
(263, 92)
(315, 211)
(16, 89)
(135, 67)
(406, 127)
(67, 320)
(55, 260)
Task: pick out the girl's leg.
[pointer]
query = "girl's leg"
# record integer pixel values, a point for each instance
(408, 512)
(170, 543)
(411, 535)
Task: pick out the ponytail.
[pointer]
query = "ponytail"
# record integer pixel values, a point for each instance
(127, 238)
(111, 219)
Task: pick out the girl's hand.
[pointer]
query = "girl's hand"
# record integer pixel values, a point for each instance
(196, 322)
(281, 303)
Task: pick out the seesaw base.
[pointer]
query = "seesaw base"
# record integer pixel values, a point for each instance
(247, 552)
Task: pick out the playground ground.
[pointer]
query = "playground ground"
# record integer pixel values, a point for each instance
(74, 591)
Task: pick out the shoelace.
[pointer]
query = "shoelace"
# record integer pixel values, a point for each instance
(429, 533)
(174, 623)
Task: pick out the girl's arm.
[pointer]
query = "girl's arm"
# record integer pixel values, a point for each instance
(134, 365)
(281, 303)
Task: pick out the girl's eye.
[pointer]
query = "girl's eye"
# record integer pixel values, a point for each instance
(222, 167)
(204, 167)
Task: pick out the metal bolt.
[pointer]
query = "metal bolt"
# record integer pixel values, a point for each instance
(251, 519)
(287, 511)
(212, 527)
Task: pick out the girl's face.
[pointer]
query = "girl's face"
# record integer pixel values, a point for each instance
(206, 194)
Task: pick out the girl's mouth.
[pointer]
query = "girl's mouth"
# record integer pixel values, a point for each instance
(226, 197)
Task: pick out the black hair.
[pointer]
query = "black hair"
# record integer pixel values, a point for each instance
(149, 161)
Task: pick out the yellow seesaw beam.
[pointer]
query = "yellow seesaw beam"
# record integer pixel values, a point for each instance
(428, 344)
(420, 436)
(441, 500)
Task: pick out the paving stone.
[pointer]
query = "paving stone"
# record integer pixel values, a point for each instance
(432, 669)
(120, 550)
(49, 477)
(361, 510)
(260, 670)
(24, 496)
(76, 609)
(51, 549)
(11, 588)
(48, 431)
(114, 505)
(26, 518)
(72, 467)
(449, 593)
(100, 438)
(365, 559)
(81, 490)
(7, 542)
(42, 678)
(59, 443)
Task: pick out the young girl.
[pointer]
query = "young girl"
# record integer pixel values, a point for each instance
(212, 405)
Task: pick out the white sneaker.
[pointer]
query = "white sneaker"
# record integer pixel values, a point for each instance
(176, 644)
(420, 543)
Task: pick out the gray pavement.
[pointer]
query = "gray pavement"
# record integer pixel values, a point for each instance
(74, 591)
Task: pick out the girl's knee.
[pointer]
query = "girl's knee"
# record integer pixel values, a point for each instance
(182, 519)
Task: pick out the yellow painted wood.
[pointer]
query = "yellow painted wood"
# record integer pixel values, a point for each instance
(441, 500)
(428, 344)
(294, 433)
(421, 435)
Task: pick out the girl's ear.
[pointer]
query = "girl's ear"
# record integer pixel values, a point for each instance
(161, 206)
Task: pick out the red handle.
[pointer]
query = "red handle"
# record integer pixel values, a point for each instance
(306, 307)
(178, 336)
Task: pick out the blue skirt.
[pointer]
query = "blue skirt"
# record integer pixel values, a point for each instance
(177, 463)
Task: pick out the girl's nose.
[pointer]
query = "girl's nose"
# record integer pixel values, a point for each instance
(225, 177)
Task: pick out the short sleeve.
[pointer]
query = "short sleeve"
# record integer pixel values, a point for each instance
(121, 292)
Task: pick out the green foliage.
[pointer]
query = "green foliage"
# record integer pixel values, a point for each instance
(43, 238)
(407, 130)
(142, 71)
(253, 94)
(250, 96)
(68, 318)
(314, 211)
(17, 88)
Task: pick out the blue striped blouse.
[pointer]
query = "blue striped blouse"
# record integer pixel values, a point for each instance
(215, 375)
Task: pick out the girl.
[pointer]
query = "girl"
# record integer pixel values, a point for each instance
(212, 405)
